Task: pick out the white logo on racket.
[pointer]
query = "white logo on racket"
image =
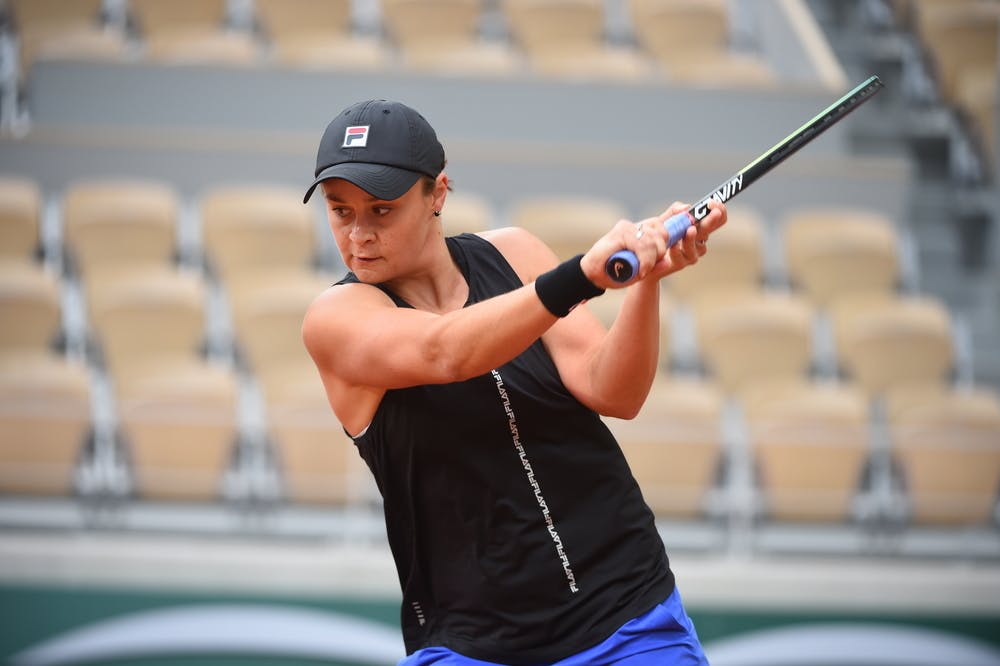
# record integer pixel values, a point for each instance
(356, 137)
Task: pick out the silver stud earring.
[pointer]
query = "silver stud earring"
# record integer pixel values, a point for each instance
(437, 213)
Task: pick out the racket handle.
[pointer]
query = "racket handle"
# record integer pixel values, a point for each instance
(622, 265)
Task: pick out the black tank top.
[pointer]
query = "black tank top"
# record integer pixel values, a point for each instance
(518, 532)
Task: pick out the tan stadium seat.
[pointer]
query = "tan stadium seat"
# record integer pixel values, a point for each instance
(540, 25)
(674, 444)
(20, 216)
(607, 64)
(54, 16)
(269, 322)
(250, 231)
(30, 307)
(317, 33)
(190, 32)
(319, 462)
(836, 252)
(960, 36)
(44, 422)
(729, 70)
(565, 38)
(748, 335)
(147, 317)
(690, 40)
(810, 443)
(570, 225)
(947, 442)
(443, 36)
(115, 225)
(885, 342)
(734, 258)
(64, 29)
(466, 212)
(179, 425)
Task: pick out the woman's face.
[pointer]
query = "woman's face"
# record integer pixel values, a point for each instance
(378, 239)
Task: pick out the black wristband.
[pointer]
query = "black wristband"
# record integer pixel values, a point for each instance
(564, 287)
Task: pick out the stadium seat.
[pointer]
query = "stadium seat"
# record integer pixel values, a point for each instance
(836, 252)
(962, 41)
(179, 425)
(44, 422)
(20, 216)
(64, 29)
(566, 38)
(190, 32)
(250, 231)
(690, 39)
(146, 319)
(269, 323)
(30, 308)
(319, 462)
(886, 342)
(747, 335)
(734, 258)
(466, 212)
(570, 225)
(544, 25)
(810, 443)
(110, 226)
(673, 446)
(443, 36)
(54, 17)
(609, 64)
(960, 36)
(947, 442)
(317, 33)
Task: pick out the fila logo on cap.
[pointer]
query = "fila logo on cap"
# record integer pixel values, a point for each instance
(356, 137)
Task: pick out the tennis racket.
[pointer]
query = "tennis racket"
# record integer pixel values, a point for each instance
(622, 265)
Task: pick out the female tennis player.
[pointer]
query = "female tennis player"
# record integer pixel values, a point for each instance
(473, 386)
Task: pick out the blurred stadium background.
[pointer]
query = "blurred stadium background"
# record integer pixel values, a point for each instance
(822, 449)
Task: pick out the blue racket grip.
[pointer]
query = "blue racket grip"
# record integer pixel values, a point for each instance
(622, 265)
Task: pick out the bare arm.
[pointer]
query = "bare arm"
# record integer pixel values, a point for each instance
(363, 344)
(357, 334)
(611, 371)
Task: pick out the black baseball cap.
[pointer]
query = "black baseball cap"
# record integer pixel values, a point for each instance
(383, 147)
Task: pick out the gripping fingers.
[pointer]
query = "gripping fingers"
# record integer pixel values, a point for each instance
(633, 250)
(664, 231)
(648, 245)
(716, 217)
(685, 252)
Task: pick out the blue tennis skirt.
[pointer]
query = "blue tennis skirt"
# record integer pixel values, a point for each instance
(663, 636)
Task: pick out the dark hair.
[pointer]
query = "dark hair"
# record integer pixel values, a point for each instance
(429, 182)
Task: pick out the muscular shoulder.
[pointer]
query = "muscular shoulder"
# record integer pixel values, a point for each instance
(332, 315)
(524, 251)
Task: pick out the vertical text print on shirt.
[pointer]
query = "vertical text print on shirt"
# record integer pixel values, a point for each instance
(536, 488)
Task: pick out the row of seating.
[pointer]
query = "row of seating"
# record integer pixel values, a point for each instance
(178, 411)
(743, 335)
(260, 244)
(687, 41)
(962, 38)
(812, 446)
(243, 228)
